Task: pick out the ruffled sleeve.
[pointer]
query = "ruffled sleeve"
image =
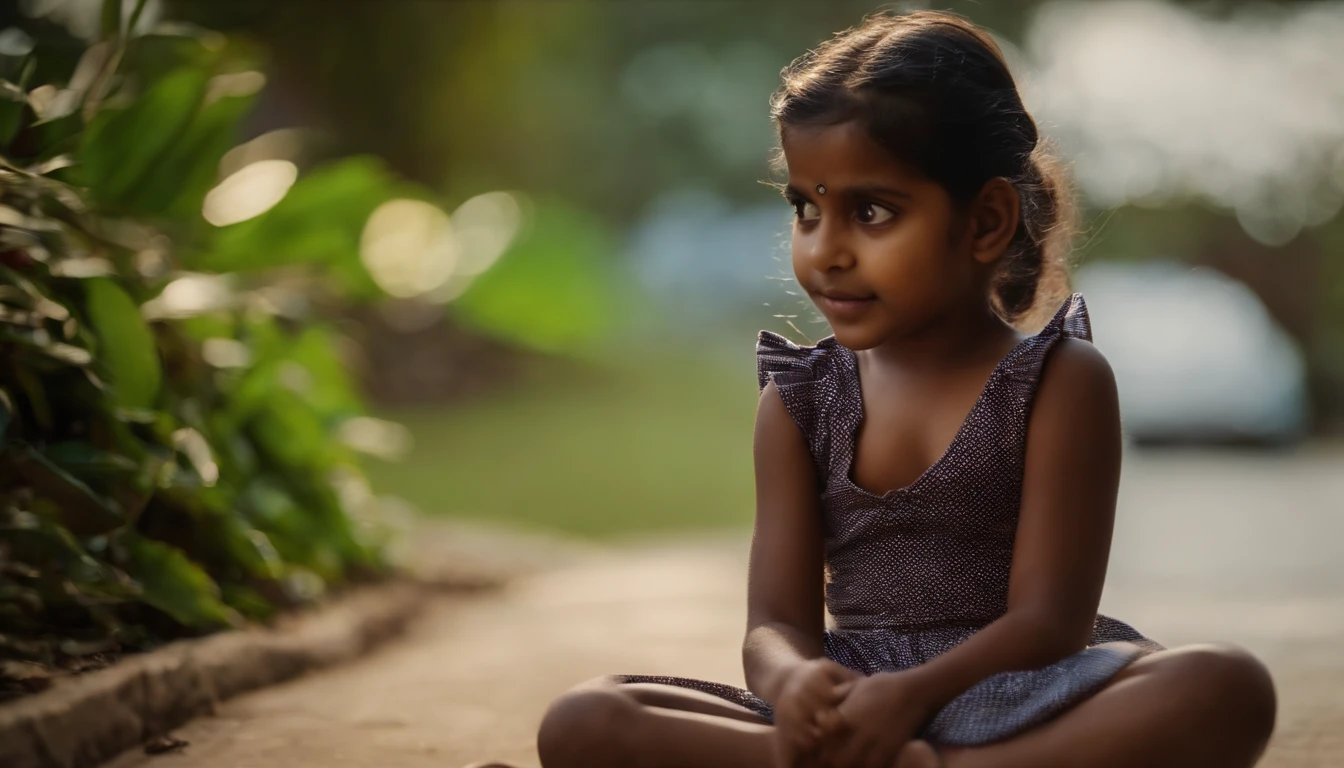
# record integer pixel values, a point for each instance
(782, 361)
(803, 376)
(1071, 321)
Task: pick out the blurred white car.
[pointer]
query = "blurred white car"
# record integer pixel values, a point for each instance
(1196, 355)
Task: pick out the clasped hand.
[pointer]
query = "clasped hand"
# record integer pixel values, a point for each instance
(829, 715)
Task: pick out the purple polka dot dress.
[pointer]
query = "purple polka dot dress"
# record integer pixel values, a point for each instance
(913, 572)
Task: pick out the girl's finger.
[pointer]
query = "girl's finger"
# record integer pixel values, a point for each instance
(826, 718)
(828, 696)
(806, 737)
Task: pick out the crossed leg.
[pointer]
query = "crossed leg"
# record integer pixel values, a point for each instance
(601, 724)
(1195, 707)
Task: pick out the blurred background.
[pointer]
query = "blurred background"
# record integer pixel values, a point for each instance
(576, 352)
(510, 257)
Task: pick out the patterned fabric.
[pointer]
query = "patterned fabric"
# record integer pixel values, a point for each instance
(913, 572)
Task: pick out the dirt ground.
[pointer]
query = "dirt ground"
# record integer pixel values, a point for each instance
(1243, 548)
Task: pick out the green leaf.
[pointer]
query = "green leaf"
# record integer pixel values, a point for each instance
(111, 18)
(288, 430)
(34, 538)
(292, 528)
(41, 342)
(174, 584)
(135, 17)
(80, 509)
(188, 168)
(125, 345)
(250, 548)
(58, 135)
(13, 102)
(120, 149)
(6, 414)
(166, 49)
(36, 395)
(88, 462)
(247, 601)
(330, 393)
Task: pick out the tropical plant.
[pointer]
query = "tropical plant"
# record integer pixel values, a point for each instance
(171, 452)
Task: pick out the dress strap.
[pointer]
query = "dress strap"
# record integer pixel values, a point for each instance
(1071, 320)
(1023, 365)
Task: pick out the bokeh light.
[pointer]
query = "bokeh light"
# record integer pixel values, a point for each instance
(408, 247)
(249, 192)
(189, 295)
(484, 226)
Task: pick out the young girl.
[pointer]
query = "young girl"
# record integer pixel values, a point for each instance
(953, 479)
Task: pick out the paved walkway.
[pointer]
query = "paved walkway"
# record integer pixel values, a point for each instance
(1242, 549)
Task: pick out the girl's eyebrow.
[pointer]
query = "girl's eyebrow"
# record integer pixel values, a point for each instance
(859, 190)
(864, 190)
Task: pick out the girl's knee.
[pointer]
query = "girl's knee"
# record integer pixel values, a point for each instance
(589, 725)
(1237, 682)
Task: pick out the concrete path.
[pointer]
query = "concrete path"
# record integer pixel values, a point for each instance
(1242, 548)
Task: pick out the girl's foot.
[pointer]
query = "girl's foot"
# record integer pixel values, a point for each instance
(918, 754)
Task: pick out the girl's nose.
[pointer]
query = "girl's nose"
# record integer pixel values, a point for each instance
(828, 249)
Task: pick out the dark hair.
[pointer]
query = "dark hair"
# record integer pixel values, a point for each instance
(935, 90)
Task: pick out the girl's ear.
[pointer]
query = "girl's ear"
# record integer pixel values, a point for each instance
(994, 215)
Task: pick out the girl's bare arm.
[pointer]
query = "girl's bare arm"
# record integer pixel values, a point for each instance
(784, 588)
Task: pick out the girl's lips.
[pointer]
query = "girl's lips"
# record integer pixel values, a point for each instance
(844, 307)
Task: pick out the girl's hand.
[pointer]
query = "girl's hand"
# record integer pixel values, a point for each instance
(807, 707)
(880, 716)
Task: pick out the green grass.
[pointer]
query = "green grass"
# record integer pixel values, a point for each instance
(633, 449)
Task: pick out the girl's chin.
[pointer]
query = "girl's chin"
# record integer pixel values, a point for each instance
(856, 337)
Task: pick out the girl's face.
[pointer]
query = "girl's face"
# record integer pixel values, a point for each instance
(882, 251)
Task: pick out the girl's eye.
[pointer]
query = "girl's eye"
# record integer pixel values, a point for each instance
(806, 211)
(872, 213)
